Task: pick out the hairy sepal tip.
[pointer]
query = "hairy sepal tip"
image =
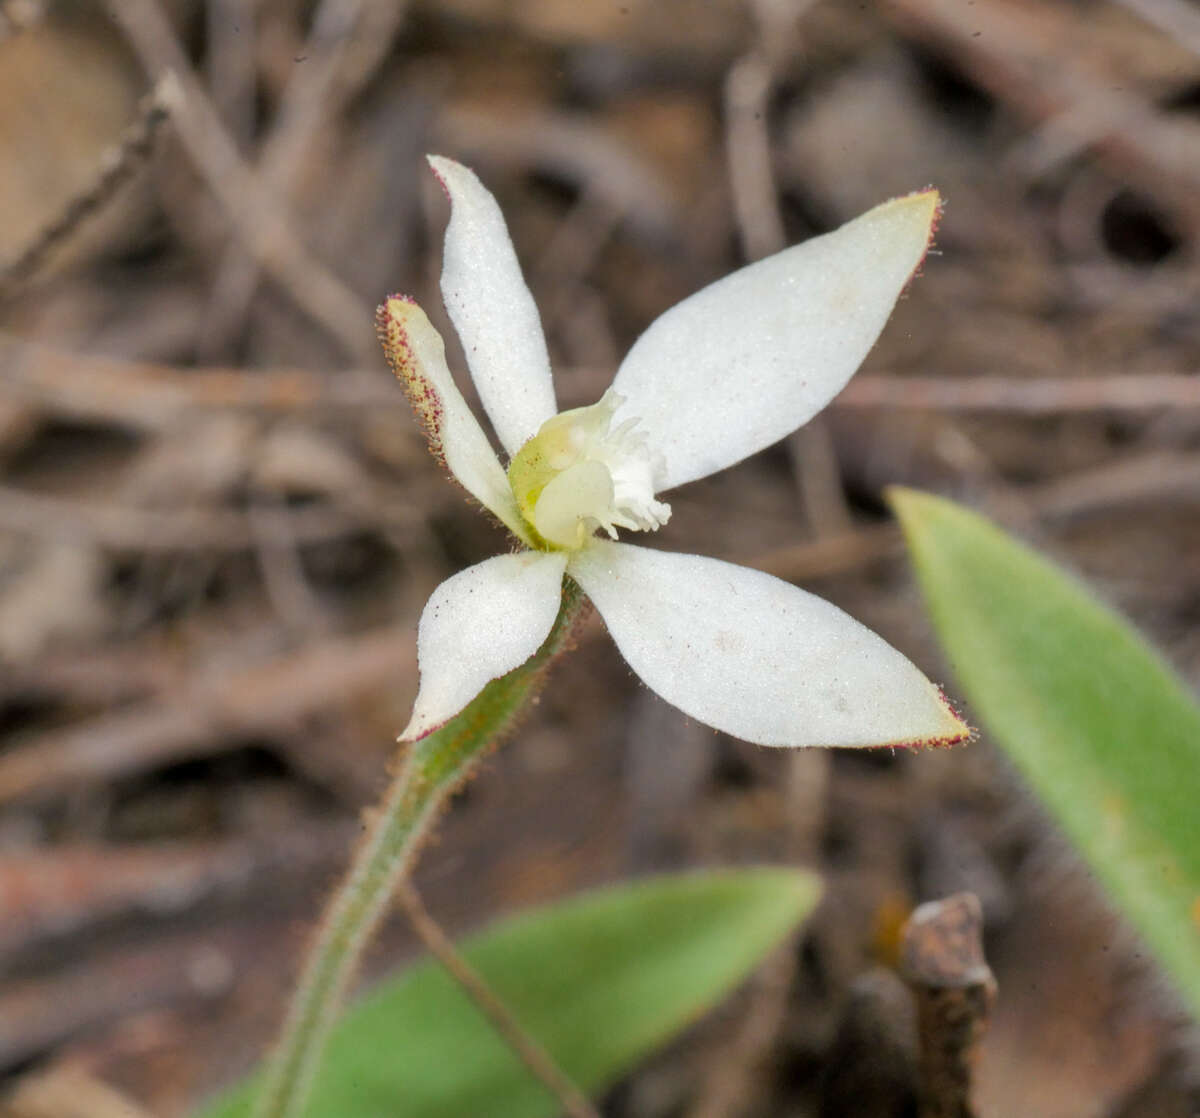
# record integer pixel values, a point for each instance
(435, 165)
(404, 329)
(926, 207)
(958, 730)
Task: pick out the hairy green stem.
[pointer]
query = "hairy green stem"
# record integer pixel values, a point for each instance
(435, 766)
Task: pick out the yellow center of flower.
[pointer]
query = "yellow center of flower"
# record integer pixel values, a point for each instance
(579, 475)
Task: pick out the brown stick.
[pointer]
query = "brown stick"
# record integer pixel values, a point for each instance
(256, 217)
(117, 165)
(1025, 395)
(130, 527)
(262, 696)
(298, 682)
(149, 396)
(1021, 53)
(530, 1052)
(1176, 18)
(942, 960)
(313, 96)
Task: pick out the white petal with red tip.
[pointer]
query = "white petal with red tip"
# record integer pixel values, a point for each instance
(750, 358)
(753, 656)
(493, 311)
(417, 356)
(479, 625)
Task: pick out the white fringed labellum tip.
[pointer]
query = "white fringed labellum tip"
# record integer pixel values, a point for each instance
(724, 374)
(579, 474)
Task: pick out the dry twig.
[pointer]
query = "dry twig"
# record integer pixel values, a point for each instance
(728, 1087)
(67, 1092)
(199, 718)
(117, 166)
(63, 891)
(256, 216)
(127, 527)
(1176, 18)
(530, 1052)
(943, 962)
(1014, 50)
(147, 396)
(335, 65)
(1135, 392)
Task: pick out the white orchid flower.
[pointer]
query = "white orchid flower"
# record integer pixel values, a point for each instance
(724, 374)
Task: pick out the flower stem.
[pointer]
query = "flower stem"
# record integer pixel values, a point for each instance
(434, 767)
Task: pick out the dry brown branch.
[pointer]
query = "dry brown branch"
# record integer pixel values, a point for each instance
(1155, 475)
(748, 155)
(336, 62)
(262, 697)
(231, 33)
(818, 478)
(283, 573)
(728, 1087)
(39, 1012)
(528, 1050)
(120, 675)
(117, 165)
(1176, 18)
(148, 396)
(299, 683)
(144, 395)
(68, 1092)
(871, 1065)
(126, 527)
(943, 962)
(729, 1084)
(62, 891)
(748, 87)
(1017, 50)
(257, 217)
(1140, 392)
(570, 147)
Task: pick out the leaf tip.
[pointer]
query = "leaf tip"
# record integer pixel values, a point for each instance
(909, 505)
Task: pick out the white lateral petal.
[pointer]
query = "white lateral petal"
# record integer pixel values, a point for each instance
(492, 310)
(478, 625)
(417, 356)
(750, 358)
(753, 656)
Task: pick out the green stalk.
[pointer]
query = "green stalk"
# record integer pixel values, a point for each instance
(435, 766)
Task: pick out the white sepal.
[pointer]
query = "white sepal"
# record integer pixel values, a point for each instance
(479, 625)
(755, 657)
(750, 358)
(492, 310)
(417, 356)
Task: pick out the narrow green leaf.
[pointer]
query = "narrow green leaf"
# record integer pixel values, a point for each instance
(599, 980)
(1103, 729)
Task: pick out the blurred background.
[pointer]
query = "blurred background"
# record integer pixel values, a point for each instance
(218, 521)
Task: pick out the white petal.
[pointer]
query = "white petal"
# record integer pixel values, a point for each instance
(755, 657)
(478, 625)
(417, 356)
(493, 311)
(750, 358)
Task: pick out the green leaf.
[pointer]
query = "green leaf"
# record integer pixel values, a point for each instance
(1103, 729)
(600, 980)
